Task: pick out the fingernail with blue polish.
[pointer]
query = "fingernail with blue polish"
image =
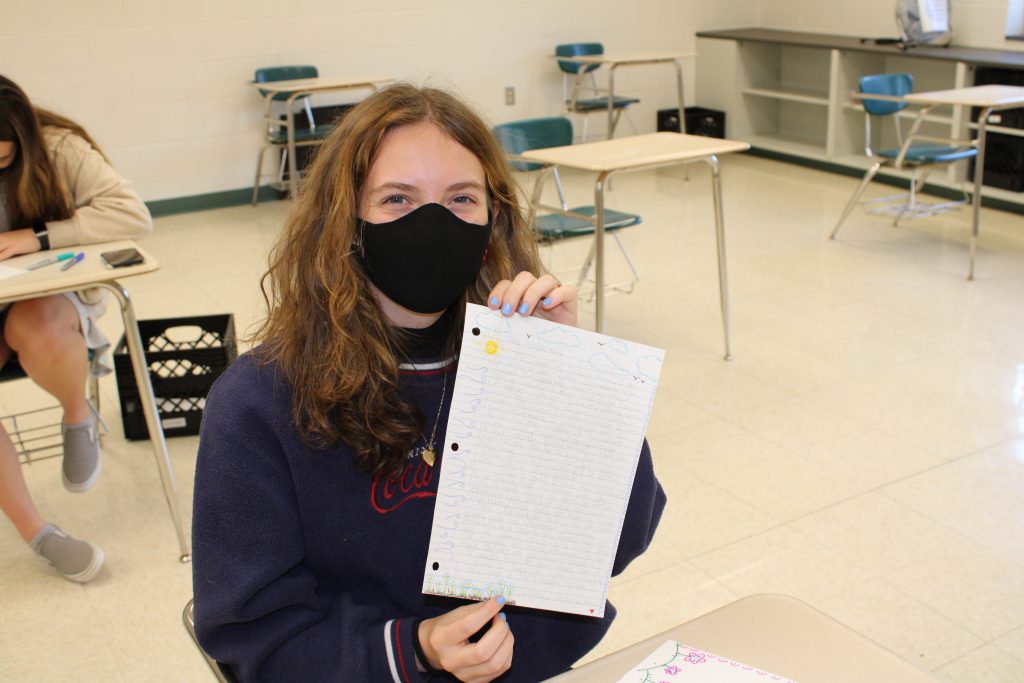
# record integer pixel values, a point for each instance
(493, 301)
(503, 617)
(523, 308)
(547, 301)
(501, 599)
(507, 309)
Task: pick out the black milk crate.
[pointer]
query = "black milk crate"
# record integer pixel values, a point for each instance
(1004, 162)
(185, 356)
(1007, 118)
(699, 121)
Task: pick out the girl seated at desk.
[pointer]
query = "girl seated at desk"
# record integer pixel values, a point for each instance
(319, 455)
(57, 190)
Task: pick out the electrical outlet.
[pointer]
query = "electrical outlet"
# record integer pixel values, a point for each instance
(510, 95)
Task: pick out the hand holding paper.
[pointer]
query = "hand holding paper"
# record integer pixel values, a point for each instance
(445, 641)
(545, 429)
(544, 297)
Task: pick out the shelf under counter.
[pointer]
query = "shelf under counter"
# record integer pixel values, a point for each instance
(790, 95)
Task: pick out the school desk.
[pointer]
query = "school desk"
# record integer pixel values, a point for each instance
(775, 633)
(989, 98)
(614, 61)
(302, 87)
(641, 152)
(91, 272)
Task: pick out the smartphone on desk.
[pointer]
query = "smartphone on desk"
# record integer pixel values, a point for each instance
(122, 258)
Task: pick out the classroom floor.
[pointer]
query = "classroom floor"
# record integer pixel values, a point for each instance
(863, 451)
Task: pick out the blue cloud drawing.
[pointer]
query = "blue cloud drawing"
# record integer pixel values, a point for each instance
(648, 367)
(618, 345)
(494, 322)
(604, 363)
(560, 336)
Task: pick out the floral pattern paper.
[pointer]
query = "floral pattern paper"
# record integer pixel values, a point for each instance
(677, 663)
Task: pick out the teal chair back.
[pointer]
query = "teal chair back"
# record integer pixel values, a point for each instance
(284, 73)
(577, 50)
(517, 137)
(920, 159)
(895, 85)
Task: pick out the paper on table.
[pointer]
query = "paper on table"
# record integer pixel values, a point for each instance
(8, 271)
(677, 663)
(545, 431)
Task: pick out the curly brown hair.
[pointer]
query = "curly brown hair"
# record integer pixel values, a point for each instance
(324, 328)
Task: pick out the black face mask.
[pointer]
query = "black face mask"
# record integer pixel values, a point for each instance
(424, 260)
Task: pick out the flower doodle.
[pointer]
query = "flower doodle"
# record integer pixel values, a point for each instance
(695, 658)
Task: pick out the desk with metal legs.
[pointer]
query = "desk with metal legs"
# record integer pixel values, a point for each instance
(299, 88)
(614, 61)
(989, 98)
(642, 152)
(91, 272)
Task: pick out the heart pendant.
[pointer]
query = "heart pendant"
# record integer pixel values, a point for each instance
(428, 456)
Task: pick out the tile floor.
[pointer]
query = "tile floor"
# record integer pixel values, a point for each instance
(863, 451)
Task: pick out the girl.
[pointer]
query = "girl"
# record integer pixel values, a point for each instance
(57, 190)
(318, 466)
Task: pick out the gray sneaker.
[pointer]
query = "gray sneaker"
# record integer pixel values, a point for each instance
(82, 464)
(76, 560)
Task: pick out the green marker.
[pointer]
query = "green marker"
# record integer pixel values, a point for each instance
(50, 261)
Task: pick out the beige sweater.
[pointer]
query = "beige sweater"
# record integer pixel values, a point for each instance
(106, 206)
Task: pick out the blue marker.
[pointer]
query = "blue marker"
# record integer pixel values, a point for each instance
(50, 261)
(77, 259)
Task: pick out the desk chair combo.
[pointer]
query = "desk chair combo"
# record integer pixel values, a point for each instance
(276, 125)
(35, 433)
(910, 154)
(586, 97)
(553, 224)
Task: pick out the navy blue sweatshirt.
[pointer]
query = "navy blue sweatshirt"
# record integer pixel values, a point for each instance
(306, 569)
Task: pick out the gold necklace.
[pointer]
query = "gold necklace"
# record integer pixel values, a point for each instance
(428, 453)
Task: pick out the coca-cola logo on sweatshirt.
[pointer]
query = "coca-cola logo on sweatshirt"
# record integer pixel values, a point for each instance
(390, 493)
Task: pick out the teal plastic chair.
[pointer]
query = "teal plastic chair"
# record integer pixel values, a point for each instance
(287, 73)
(920, 154)
(585, 97)
(553, 224)
(277, 126)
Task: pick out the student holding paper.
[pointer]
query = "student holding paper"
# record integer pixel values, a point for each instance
(57, 190)
(320, 451)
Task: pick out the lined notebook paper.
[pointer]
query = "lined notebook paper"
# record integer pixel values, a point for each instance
(677, 663)
(545, 431)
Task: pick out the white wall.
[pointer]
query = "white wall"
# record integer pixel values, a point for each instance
(161, 84)
(977, 23)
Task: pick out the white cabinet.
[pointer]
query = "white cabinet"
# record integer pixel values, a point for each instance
(788, 94)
